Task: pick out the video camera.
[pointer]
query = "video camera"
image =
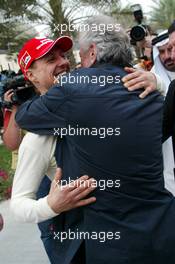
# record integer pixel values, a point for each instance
(140, 31)
(23, 91)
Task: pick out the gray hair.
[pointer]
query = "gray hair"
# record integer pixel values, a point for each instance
(112, 44)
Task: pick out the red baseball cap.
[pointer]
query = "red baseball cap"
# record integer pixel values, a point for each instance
(36, 48)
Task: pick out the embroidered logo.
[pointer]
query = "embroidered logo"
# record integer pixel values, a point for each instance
(25, 59)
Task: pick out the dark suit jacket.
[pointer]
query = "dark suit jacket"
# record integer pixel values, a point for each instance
(141, 210)
(169, 114)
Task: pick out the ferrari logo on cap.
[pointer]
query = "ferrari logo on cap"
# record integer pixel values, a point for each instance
(25, 59)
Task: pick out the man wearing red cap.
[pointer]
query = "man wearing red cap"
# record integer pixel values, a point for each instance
(41, 60)
(38, 48)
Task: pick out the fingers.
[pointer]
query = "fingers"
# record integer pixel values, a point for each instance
(139, 85)
(131, 76)
(74, 184)
(80, 180)
(9, 91)
(69, 196)
(140, 79)
(84, 193)
(58, 174)
(87, 186)
(85, 202)
(135, 83)
(146, 92)
(129, 69)
(8, 95)
(57, 178)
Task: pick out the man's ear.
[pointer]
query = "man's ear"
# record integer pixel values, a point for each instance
(93, 53)
(31, 76)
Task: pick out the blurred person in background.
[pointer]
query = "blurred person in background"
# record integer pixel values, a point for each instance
(164, 67)
(169, 109)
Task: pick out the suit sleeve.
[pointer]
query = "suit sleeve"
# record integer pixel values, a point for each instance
(45, 113)
(169, 112)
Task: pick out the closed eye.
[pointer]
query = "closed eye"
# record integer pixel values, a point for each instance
(51, 59)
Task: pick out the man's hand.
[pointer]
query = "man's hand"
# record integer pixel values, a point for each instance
(8, 95)
(137, 79)
(66, 197)
(8, 99)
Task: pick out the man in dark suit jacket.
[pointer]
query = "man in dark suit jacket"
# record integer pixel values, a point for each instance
(112, 135)
(169, 109)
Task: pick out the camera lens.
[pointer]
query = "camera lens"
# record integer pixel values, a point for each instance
(138, 33)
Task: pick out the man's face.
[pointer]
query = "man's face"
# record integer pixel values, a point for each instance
(165, 57)
(88, 58)
(172, 45)
(45, 69)
(85, 58)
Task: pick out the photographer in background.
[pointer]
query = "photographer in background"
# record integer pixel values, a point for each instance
(5, 76)
(140, 38)
(12, 135)
(15, 91)
(12, 138)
